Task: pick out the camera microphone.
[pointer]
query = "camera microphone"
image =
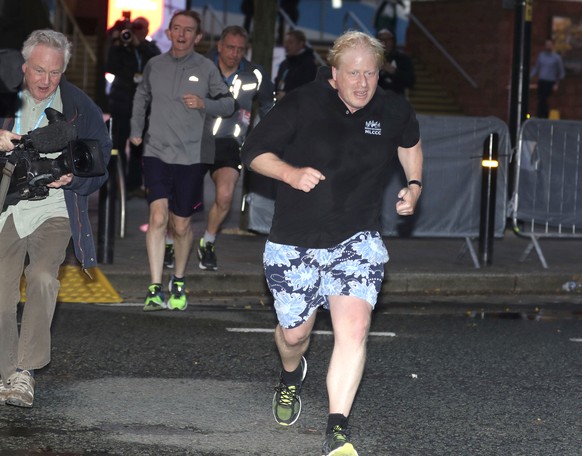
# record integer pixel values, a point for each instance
(53, 115)
(54, 137)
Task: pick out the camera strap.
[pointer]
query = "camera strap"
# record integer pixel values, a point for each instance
(7, 172)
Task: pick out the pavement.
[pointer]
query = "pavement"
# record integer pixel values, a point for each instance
(418, 266)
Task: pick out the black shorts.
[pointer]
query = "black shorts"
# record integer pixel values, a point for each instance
(227, 154)
(181, 185)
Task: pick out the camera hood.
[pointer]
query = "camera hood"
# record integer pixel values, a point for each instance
(83, 158)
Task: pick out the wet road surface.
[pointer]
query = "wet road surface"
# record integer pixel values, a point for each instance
(460, 377)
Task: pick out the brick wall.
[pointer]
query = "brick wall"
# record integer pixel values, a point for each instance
(478, 34)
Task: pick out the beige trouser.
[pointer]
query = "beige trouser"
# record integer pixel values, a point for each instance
(46, 249)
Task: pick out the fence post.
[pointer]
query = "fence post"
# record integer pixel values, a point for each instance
(107, 199)
(489, 165)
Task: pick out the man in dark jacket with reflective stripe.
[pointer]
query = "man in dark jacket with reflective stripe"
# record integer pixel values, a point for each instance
(247, 82)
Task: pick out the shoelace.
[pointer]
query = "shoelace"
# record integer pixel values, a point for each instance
(339, 434)
(20, 383)
(287, 394)
(177, 288)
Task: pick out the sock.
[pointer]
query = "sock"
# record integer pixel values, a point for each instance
(292, 378)
(209, 237)
(179, 279)
(336, 419)
(30, 371)
(159, 285)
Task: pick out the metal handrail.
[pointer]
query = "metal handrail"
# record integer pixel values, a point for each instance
(214, 20)
(292, 25)
(423, 29)
(63, 22)
(448, 56)
(359, 24)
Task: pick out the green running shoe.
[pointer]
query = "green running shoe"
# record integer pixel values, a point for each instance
(286, 401)
(338, 443)
(177, 299)
(155, 299)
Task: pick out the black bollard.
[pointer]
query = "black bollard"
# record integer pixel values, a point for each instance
(107, 201)
(489, 165)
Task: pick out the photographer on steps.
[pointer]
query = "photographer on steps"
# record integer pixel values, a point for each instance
(40, 230)
(127, 57)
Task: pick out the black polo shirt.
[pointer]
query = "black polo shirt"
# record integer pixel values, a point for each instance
(311, 126)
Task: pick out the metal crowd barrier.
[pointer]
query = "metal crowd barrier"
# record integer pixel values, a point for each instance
(547, 200)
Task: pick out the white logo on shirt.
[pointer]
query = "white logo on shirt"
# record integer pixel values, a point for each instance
(373, 127)
(193, 79)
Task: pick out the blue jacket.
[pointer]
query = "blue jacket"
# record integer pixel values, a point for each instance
(86, 116)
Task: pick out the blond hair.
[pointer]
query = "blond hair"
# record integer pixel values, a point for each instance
(351, 40)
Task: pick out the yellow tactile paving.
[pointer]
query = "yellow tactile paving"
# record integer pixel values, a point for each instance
(76, 286)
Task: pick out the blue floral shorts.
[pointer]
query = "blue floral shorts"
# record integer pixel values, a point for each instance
(301, 279)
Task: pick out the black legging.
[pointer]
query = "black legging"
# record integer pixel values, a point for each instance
(545, 89)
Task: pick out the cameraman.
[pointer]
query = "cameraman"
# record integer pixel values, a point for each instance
(41, 229)
(128, 54)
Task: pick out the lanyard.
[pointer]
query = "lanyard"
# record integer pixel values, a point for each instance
(19, 113)
(138, 58)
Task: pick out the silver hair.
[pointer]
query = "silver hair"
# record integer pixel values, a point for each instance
(50, 38)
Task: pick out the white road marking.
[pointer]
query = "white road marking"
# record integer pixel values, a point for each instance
(323, 333)
(265, 330)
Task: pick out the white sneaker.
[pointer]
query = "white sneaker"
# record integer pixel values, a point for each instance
(21, 392)
(4, 390)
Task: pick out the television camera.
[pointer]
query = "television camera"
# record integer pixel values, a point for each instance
(29, 173)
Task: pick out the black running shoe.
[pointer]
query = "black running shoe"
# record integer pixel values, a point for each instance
(286, 401)
(337, 443)
(169, 256)
(207, 256)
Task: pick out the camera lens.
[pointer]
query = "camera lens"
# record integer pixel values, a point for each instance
(82, 159)
(126, 36)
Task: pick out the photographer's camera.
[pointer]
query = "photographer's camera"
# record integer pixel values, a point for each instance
(126, 36)
(121, 30)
